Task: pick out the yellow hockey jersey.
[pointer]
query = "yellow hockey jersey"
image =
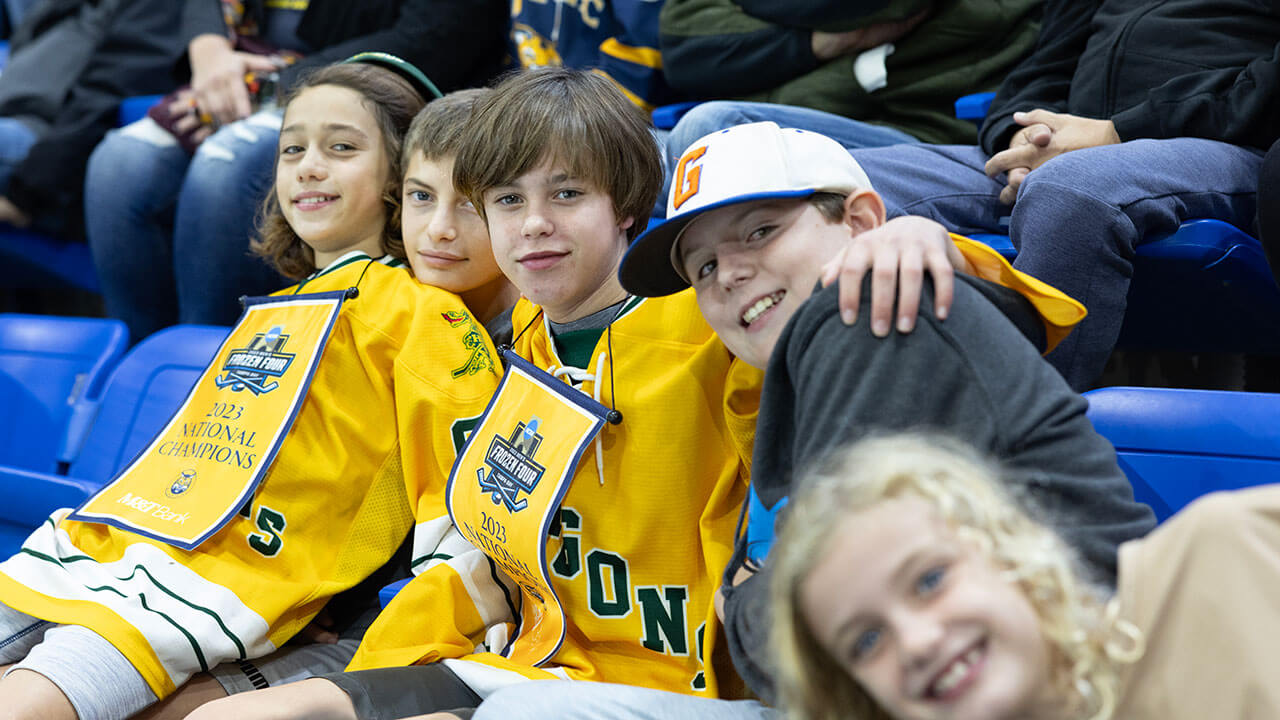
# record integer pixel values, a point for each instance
(642, 537)
(332, 508)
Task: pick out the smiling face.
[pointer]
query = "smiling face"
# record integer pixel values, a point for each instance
(558, 240)
(444, 237)
(753, 264)
(331, 173)
(926, 625)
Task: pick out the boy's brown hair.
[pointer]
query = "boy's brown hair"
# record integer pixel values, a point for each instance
(393, 102)
(438, 127)
(576, 119)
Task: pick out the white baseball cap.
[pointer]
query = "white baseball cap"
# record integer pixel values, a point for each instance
(740, 164)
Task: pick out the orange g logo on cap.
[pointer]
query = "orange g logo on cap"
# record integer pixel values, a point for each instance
(687, 185)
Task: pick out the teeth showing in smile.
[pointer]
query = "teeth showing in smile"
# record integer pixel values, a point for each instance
(315, 200)
(954, 674)
(761, 305)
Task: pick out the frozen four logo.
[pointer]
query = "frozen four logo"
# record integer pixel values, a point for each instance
(251, 368)
(512, 469)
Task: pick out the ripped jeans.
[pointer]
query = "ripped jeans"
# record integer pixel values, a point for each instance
(170, 232)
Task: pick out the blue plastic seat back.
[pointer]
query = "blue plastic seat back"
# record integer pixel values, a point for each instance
(1176, 445)
(1204, 288)
(145, 390)
(47, 365)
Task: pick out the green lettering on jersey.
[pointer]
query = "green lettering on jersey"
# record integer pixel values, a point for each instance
(699, 680)
(568, 562)
(603, 602)
(272, 524)
(461, 430)
(662, 612)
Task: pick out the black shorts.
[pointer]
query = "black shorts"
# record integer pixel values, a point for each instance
(398, 692)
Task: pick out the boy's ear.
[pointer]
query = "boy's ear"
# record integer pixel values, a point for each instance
(626, 223)
(863, 211)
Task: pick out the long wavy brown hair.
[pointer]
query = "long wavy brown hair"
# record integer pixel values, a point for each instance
(393, 103)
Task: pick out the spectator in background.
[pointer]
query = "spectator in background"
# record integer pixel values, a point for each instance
(168, 229)
(11, 14)
(1129, 118)
(895, 65)
(70, 65)
(1269, 212)
(618, 38)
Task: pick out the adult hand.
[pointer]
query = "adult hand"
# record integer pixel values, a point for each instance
(1048, 135)
(897, 254)
(217, 78)
(184, 108)
(1026, 143)
(829, 45)
(12, 214)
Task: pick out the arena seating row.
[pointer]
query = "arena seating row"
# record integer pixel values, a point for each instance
(69, 379)
(1174, 446)
(115, 403)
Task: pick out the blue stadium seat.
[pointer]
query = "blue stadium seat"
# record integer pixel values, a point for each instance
(387, 593)
(143, 392)
(33, 260)
(1176, 445)
(133, 108)
(1204, 288)
(49, 366)
(665, 117)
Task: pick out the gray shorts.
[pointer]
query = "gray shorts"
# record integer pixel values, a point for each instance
(397, 692)
(288, 664)
(99, 681)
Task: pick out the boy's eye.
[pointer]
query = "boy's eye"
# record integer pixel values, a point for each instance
(930, 580)
(864, 644)
(760, 233)
(509, 199)
(705, 270)
(467, 205)
(419, 196)
(342, 147)
(567, 194)
(290, 149)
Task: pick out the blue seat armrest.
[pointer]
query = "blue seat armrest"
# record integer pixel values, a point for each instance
(29, 496)
(387, 593)
(82, 416)
(134, 108)
(665, 117)
(974, 107)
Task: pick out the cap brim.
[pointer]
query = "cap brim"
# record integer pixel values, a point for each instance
(646, 268)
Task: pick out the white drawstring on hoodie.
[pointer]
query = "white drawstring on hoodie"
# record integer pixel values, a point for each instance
(577, 376)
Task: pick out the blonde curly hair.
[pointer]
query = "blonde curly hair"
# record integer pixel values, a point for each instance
(1088, 643)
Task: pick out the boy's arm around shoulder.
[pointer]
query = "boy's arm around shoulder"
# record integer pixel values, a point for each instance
(975, 377)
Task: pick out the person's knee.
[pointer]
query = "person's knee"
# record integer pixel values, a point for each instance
(28, 694)
(703, 119)
(315, 699)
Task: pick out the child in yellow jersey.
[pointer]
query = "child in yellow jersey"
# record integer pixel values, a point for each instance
(565, 171)
(99, 620)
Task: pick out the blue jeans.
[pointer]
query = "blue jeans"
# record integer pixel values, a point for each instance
(1078, 218)
(169, 232)
(583, 700)
(16, 140)
(709, 117)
